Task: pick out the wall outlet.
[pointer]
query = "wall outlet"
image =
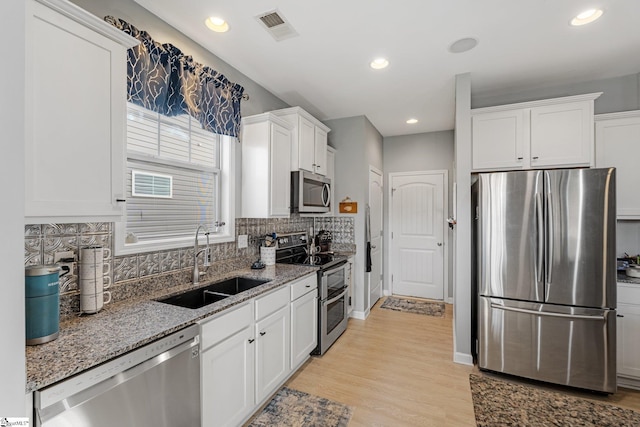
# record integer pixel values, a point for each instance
(57, 256)
(243, 241)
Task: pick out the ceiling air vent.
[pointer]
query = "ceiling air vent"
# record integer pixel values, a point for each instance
(276, 25)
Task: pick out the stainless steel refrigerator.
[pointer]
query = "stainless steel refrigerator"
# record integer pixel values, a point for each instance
(546, 275)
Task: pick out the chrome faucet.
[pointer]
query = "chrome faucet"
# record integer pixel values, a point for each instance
(197, 251)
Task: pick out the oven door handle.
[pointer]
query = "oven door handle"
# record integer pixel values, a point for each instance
(332, 300)
(335, 268)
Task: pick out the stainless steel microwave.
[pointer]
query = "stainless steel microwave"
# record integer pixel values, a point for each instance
(310, 193)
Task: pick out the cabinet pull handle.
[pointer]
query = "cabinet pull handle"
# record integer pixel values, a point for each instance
(121, 200)
(262, 334)
(520, 158)
(535, 158)
(307, 286)
(619, 315)
(251, 340)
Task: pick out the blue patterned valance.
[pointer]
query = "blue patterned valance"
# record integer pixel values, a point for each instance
(162, 79)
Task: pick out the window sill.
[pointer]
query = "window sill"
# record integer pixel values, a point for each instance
(166, 245)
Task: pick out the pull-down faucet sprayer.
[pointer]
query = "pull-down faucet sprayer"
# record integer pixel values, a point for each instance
(206, 262)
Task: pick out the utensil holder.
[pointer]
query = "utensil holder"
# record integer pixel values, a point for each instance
(268, 255)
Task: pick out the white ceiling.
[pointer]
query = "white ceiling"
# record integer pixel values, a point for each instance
(523, 44)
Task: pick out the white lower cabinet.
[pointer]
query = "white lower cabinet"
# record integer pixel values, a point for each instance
(245, 354)
(304, 319)
(272, 352)
(628, 328)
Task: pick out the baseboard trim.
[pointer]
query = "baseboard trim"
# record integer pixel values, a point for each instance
(361, 315)
(629, 383)
(463, 358)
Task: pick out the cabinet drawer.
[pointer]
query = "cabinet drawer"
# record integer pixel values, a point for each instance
(304, 285)
(272, 302)
(628, 294)
(224, 326)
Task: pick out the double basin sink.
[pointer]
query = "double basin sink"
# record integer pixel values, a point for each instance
(196, 298)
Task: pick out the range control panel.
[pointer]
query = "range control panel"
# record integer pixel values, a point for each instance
(290, 240)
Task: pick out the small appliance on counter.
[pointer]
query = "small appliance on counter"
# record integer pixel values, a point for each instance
(323, 240)
(633, 271)
(42, 303)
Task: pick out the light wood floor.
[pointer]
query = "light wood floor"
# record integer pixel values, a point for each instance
(396, 369)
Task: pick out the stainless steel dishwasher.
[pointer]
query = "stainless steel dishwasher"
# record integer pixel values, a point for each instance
(156, 385)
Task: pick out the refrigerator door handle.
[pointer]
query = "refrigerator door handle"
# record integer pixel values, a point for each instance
(547, 313)
(540, 234)
(550, 236)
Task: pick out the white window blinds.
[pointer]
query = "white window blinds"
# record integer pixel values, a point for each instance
(178, 149)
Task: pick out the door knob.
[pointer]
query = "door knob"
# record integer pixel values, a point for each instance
(439, 244)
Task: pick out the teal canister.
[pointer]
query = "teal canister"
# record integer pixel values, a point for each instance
(42, 295)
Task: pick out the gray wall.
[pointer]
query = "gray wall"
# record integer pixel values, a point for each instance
(358, 144)
(419, 152)
(619, 94)
(12, 332)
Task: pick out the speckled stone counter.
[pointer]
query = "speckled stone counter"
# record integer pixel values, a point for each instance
(623, 278)
(89, 340)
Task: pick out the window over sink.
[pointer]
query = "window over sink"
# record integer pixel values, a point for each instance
(178, 175)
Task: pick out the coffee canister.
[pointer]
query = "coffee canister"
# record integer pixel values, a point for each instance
(42, 299)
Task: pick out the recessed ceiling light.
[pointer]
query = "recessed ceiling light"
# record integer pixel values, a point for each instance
(379, 63)
(463, 45)
(586, 17)
(412, 121)
(216, 24)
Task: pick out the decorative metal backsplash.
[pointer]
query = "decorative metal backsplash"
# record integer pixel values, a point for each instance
(42, 241)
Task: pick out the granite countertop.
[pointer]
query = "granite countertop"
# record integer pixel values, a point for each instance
(89, 340)
(623, 278)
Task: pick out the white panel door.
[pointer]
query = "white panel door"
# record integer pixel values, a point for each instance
(375, 205)
(417, 235)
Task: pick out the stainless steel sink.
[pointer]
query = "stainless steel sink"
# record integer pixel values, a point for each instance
(196, 298)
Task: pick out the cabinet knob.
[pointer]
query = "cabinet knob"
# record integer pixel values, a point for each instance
(262, 334)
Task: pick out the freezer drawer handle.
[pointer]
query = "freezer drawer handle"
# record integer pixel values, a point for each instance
(548, 314)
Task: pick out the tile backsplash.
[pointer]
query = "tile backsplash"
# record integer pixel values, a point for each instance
(42, 241)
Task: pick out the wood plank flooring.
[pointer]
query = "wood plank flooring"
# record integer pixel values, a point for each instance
(396, 369)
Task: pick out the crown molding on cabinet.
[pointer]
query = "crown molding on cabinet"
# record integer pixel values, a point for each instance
(618, 115)
(91, 21)
(540, 103)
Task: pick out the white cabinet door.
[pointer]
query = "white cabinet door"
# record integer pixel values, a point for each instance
(628, 343)
(306, 144)
(320, 150)
(562, 135)
(266, 157)
(280, 175)
(75, 118)
(228, 380)
(304, 327)
(617, 141)
(272, 352)
(499, 140)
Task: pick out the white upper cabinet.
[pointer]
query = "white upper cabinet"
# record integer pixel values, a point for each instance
(75, 115)
(533, 135)
(266, 167)
(617, 142)
(309, 142)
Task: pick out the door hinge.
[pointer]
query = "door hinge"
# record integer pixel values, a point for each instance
(381, 277)
(392, 234)
(392, 278)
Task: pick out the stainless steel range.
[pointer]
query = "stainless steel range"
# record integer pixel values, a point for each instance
(295, 248)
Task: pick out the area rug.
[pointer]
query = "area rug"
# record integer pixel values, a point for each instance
(414, 306)
(500, 403)
(293, 408)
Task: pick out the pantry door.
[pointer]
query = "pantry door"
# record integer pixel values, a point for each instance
(418, 231)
